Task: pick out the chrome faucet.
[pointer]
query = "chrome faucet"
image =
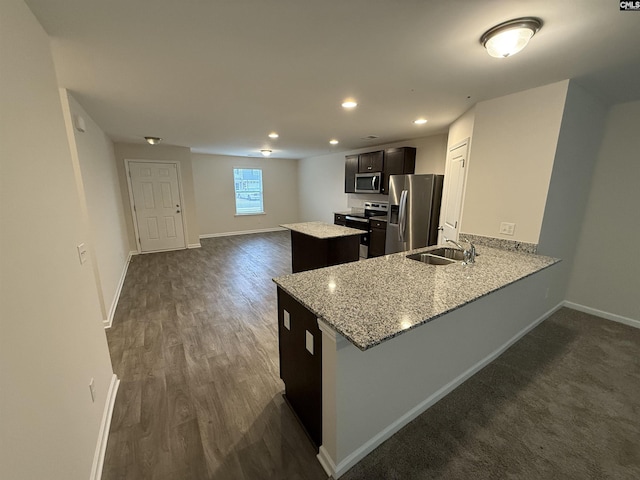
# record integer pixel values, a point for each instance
(469, 255)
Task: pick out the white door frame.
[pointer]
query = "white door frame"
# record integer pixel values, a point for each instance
(464, 143)
(132, 207)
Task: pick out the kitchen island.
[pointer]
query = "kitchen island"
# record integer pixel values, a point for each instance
(390, 336)
(318, 244)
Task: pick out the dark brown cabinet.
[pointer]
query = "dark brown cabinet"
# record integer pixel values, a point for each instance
(300, 345)
(397, 161)
(392, 161)
(309, 252)
(350, 170)
(377, 239)
(370, 162)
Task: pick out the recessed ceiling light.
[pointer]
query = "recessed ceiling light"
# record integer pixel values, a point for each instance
(273, 135)
(265, 153)
(333, 141)
(420, 121)
(349, 103)
(153, 140)
(508, 38)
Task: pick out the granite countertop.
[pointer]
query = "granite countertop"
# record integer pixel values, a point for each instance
(322, 230)
(353, 211)
(372, 301)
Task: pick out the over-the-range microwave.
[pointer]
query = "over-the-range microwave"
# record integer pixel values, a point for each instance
(368, 182)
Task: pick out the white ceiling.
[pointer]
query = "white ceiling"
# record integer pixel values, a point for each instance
(219, 75)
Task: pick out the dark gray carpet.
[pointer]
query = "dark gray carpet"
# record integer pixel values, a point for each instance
(562, 403)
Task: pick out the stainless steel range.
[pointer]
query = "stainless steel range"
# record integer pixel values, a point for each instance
(360, 220)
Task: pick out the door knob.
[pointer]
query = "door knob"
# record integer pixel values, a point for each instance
(177, 211)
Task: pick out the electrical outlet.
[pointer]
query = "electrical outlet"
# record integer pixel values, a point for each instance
(92, 390)
(82, 253)
(309, 342)
(287, 320)
(507, 228)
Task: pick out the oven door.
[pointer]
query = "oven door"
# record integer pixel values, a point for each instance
(360, 224)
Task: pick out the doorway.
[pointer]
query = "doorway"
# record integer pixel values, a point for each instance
(156, 205)
(455, 175)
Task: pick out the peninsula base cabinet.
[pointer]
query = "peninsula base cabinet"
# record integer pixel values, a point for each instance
(300, 344)
(350, 401)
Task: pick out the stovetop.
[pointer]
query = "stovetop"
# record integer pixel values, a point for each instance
(371, 209)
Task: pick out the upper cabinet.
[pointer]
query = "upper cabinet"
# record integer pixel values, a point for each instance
(350, 170)
(397, 161)
(392, 161)
(370, 162)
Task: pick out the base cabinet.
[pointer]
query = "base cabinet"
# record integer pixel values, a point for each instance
(308, 253)
(377, 238)
(300, 344)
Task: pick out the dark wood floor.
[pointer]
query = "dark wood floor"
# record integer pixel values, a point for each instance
(194, 343)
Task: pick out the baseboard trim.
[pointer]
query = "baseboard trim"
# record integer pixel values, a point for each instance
(103, 435)
(326, 461)
(366, 448)
(194, 245)
(602, 314)
(243, 232)
(114, 303)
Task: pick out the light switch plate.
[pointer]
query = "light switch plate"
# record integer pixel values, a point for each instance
(287, 320)
(309, 342)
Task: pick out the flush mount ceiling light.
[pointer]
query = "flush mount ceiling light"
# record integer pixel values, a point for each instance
(265, 153)
(349, 104)
(510, 37)
(420, 121)
(333, 141)
(153, 140)
(273, 135)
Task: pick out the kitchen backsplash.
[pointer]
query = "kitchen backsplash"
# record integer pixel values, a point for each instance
(512, 245)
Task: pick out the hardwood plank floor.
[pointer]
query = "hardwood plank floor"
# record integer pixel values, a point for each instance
(194, 343)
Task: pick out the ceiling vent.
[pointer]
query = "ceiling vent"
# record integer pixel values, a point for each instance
(370, 137)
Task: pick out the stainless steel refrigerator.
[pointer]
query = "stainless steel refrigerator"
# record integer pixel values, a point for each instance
(414, 211)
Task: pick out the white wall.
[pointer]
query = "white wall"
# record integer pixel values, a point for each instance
(462, 128)
(322, 178)
(512, 153)
(215, 197)
(577, 147)
(607, 265)
(380, 390)
(182, 156)
(100, 187)
(51, 337)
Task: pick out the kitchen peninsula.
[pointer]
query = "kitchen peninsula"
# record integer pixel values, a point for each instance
(366, 347)
(319, 244)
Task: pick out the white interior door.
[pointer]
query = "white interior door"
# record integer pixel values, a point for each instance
(156, 204)
(453, 192)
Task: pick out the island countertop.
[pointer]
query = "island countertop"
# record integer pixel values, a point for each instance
(322, 230)
(375, 300)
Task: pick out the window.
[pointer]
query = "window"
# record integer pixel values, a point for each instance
(248, 189)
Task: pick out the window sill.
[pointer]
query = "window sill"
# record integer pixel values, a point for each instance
(249, 214)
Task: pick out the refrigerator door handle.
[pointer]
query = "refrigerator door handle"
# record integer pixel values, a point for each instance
(402, 220)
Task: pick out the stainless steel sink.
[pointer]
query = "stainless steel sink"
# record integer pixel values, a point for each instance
(447, 252)
(431, 259)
